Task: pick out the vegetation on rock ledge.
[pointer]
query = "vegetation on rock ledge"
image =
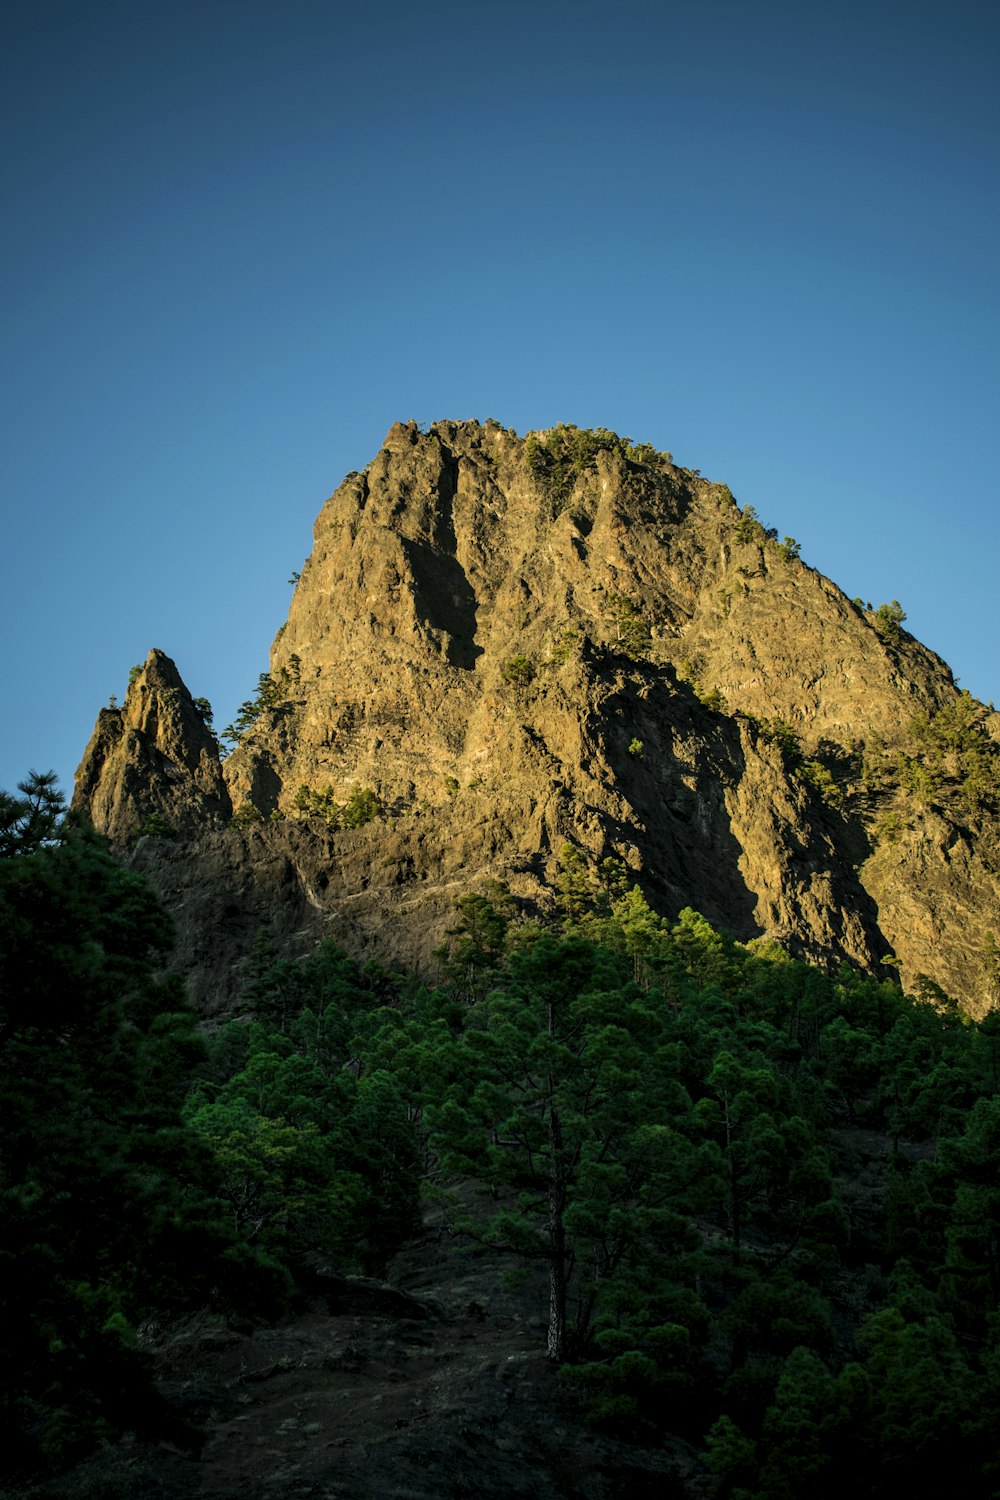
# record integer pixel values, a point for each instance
(557, 458)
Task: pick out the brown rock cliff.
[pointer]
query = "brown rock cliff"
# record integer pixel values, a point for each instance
(153, 762)
(605, 654)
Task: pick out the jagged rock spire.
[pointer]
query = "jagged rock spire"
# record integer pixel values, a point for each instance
(152, 764)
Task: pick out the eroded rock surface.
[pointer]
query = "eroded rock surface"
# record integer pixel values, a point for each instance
(153, 763)
(615, 666)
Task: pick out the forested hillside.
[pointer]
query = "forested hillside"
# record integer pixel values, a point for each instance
(555, 1054)
(749, 1205)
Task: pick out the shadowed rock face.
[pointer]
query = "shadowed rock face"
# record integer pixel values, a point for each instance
(514, 668)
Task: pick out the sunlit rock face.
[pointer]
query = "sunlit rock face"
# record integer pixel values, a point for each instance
(153, 763)
(518, 653)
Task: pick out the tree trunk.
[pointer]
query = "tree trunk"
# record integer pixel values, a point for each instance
(557, 1243)
(735, 1220)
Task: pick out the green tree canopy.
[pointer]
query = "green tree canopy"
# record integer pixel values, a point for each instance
(108, 1203)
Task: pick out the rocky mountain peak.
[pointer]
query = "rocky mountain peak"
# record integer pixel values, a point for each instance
(152, 765)
(502, 649)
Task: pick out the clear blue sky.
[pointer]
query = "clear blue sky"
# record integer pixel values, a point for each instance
(241, 239)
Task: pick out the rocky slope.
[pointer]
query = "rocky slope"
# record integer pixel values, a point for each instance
(522, 645)
(434, 1388)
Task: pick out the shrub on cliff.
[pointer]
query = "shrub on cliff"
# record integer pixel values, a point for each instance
(888, 619)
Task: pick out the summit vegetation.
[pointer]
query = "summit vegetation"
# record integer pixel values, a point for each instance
(557, 458)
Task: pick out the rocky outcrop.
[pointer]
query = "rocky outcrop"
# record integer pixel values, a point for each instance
(517, 646)
(152, 765)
